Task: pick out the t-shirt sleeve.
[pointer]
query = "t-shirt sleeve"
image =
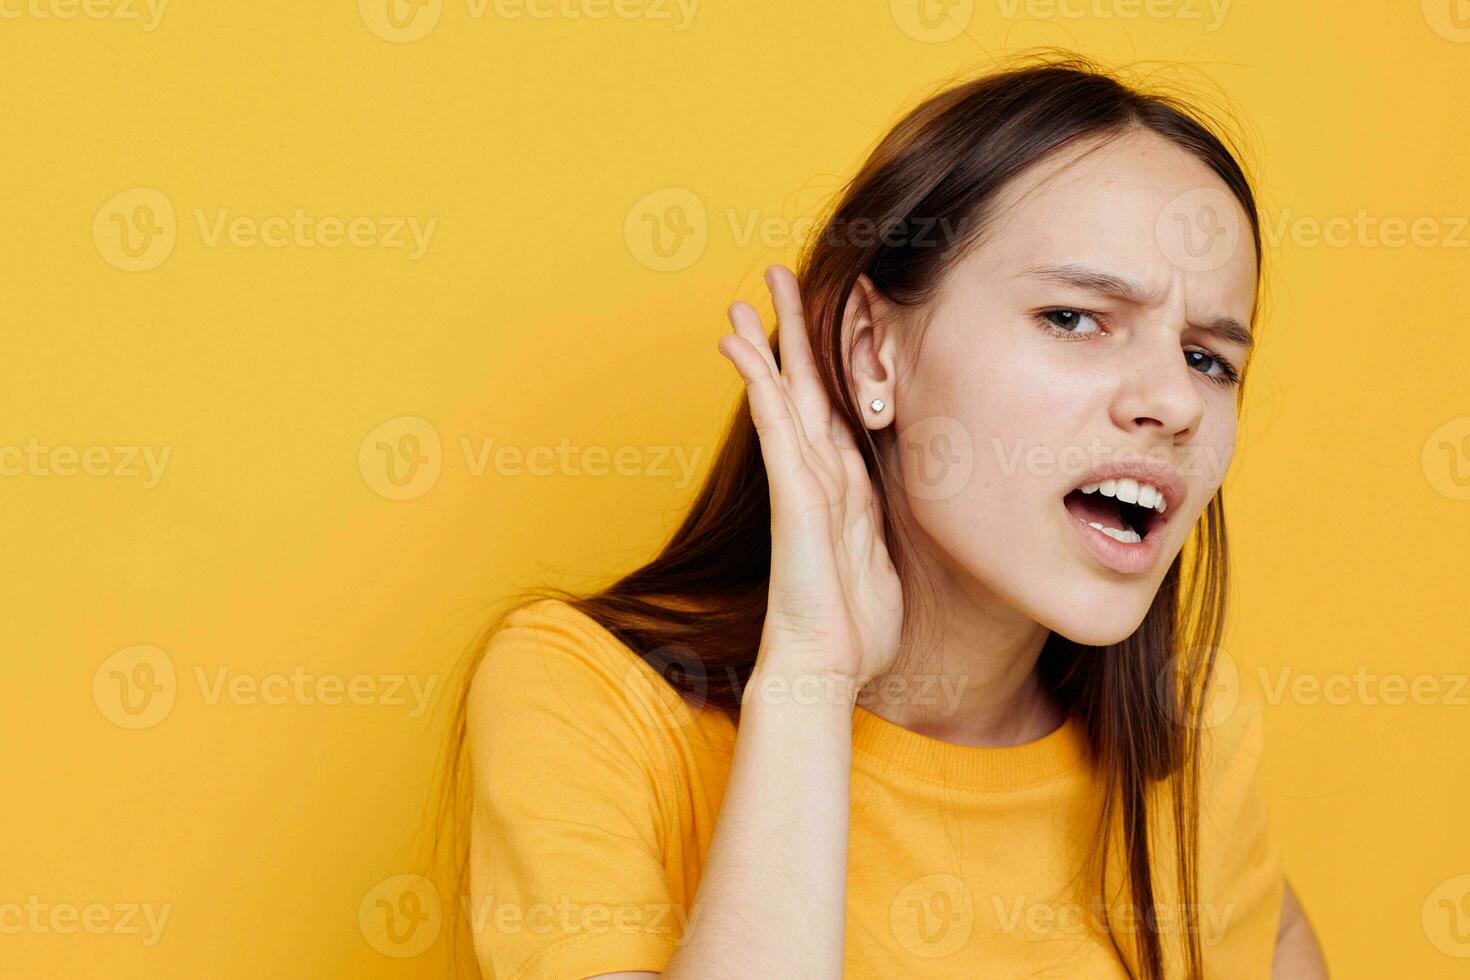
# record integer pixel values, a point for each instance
(1241, 881)
(567, 877)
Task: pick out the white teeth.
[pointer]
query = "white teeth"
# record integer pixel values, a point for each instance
(1130, 491)
(1127, 537)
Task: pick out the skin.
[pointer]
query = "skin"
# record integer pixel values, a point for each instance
(1008, 564)
(999, 548)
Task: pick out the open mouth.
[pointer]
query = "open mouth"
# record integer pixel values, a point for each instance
(1102, 506)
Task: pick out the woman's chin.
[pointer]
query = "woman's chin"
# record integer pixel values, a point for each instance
(1097, 624)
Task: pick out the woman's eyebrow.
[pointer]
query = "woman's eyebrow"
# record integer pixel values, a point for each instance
(1093, 280)
(1227, 328)
(1230, 330)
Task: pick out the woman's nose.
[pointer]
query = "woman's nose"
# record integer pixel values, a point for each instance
(1156, 388)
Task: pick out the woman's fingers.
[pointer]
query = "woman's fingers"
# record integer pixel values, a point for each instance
(747, 324)
(795, 400)
(797, 363)
(770, 411)
(803, 384)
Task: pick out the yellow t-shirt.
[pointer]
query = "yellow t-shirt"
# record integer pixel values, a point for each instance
(597, 791)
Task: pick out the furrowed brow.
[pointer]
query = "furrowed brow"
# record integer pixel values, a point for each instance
(1230, 330)
(1093, 280)
(1226, 328)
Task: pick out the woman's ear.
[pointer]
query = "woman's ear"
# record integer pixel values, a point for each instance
(871, 343)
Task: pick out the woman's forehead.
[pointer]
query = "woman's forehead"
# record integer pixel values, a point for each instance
(1136, 206)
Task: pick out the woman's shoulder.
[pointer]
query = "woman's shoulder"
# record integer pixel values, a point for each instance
(550, 660)
(553, 624)
(551, 634)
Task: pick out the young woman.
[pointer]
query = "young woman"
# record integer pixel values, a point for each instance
(920, 686)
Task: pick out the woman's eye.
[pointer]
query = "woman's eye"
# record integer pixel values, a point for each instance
(1072, 321)
(1215, 368)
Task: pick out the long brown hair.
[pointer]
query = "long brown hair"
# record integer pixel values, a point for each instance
(695, 611)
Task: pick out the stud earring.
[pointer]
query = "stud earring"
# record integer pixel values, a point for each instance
(876, 404)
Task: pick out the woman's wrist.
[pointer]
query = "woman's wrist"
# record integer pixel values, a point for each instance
(790, 680)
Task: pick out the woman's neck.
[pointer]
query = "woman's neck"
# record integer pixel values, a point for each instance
(968, 674)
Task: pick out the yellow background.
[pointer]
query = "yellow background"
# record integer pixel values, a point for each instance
(270, 543)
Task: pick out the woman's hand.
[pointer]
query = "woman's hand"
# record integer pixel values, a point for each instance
(835, 606)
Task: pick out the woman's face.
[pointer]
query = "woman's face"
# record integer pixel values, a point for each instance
(1078, 337)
